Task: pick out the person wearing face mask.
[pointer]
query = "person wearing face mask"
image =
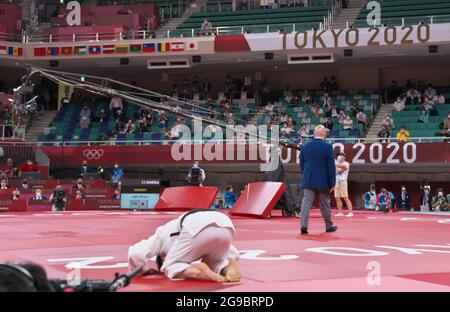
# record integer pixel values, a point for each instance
(25, 185)
(370, 198)
(425, 198)
(116, 175)
(38, 195)
(229, 197)
(403, 135)
(83, 169)
(439, 201)
(341, 187)
(4, 184)
(404, 199)
(348, 123)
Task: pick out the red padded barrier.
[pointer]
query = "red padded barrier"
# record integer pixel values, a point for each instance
(18, 205)
(258, 199)
(186, 198)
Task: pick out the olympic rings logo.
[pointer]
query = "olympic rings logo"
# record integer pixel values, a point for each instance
(93, 154)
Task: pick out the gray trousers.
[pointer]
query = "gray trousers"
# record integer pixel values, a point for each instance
(325, 208)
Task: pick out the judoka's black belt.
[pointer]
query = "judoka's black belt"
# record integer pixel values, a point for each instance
(184, 217)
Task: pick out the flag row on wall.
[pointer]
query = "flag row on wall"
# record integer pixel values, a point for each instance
(11, 51)
(151, 47)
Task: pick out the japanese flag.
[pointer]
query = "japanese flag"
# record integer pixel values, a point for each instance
(191, 46)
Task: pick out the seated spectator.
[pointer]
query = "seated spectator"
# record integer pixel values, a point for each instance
(163, 121)
(285, 131)
(291, 122)
(332, 112)
(14, 172)
(423, 117)
(388, 122)
(403, 135)
(383, 201)
(206, 29)
(370, 198)
(38, 195)
(229, 197)
(362, 118)
(4, 184)
(116, 194)
(269, 107)
(325, 100)
(317, 111)
(129, 127)
(101, 116)
(399, 105)
(79, 185)
(283, 117)
(440, 99)
(404, 199)
(79, 195)
(428, 104)
(412, 97)
(430, 92)
(329, 124)
(16, 194)
(384, 134)
(28, 166)
(9, 163)
(25, 185)
(85, 118)
(303, 132)
(354, 110)
(115, 105)
(306, 97)
(341, 117)
(271, 119)
(446, 122)
(287, 94)
(347, 123)
(439, 201)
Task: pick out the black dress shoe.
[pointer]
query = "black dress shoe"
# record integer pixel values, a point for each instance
(304, 230)
(332, 229)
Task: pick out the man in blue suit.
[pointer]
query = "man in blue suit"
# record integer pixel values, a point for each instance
(318, 177)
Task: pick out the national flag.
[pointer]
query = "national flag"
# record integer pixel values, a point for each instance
(163, 46)
(40, 51)
(18, 52)
(148, 47)
(80, 50)
(95, 50)
(191, 45)
(177, 46)
(53, 51)
(108, 49)
(122, 48)
(3, 50)
(135, 48)
(66, 50)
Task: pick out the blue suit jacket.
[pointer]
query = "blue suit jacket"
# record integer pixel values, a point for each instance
(317, 165)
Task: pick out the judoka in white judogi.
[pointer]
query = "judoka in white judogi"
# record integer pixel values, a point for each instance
(204, 235)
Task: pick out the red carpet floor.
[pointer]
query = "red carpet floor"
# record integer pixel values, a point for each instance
(369, 252)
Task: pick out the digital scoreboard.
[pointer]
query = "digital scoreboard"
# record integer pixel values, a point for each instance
(139, 194)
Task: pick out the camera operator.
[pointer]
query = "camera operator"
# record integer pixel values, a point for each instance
(58, 199)
(26, 277)
(196, 175)
(439, 201)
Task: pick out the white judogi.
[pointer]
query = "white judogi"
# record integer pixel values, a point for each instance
(205, 235)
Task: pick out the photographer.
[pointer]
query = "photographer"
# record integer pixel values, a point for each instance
(58, 199)
(27, 277)
(196, 175)
(439, 201)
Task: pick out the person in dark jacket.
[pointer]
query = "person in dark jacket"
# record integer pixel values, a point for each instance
(404, 199)
(318, 177)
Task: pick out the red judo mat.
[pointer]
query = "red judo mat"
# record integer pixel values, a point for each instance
(369, 252)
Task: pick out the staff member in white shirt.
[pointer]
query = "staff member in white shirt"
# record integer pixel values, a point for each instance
(341, 188)
(196, 235)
